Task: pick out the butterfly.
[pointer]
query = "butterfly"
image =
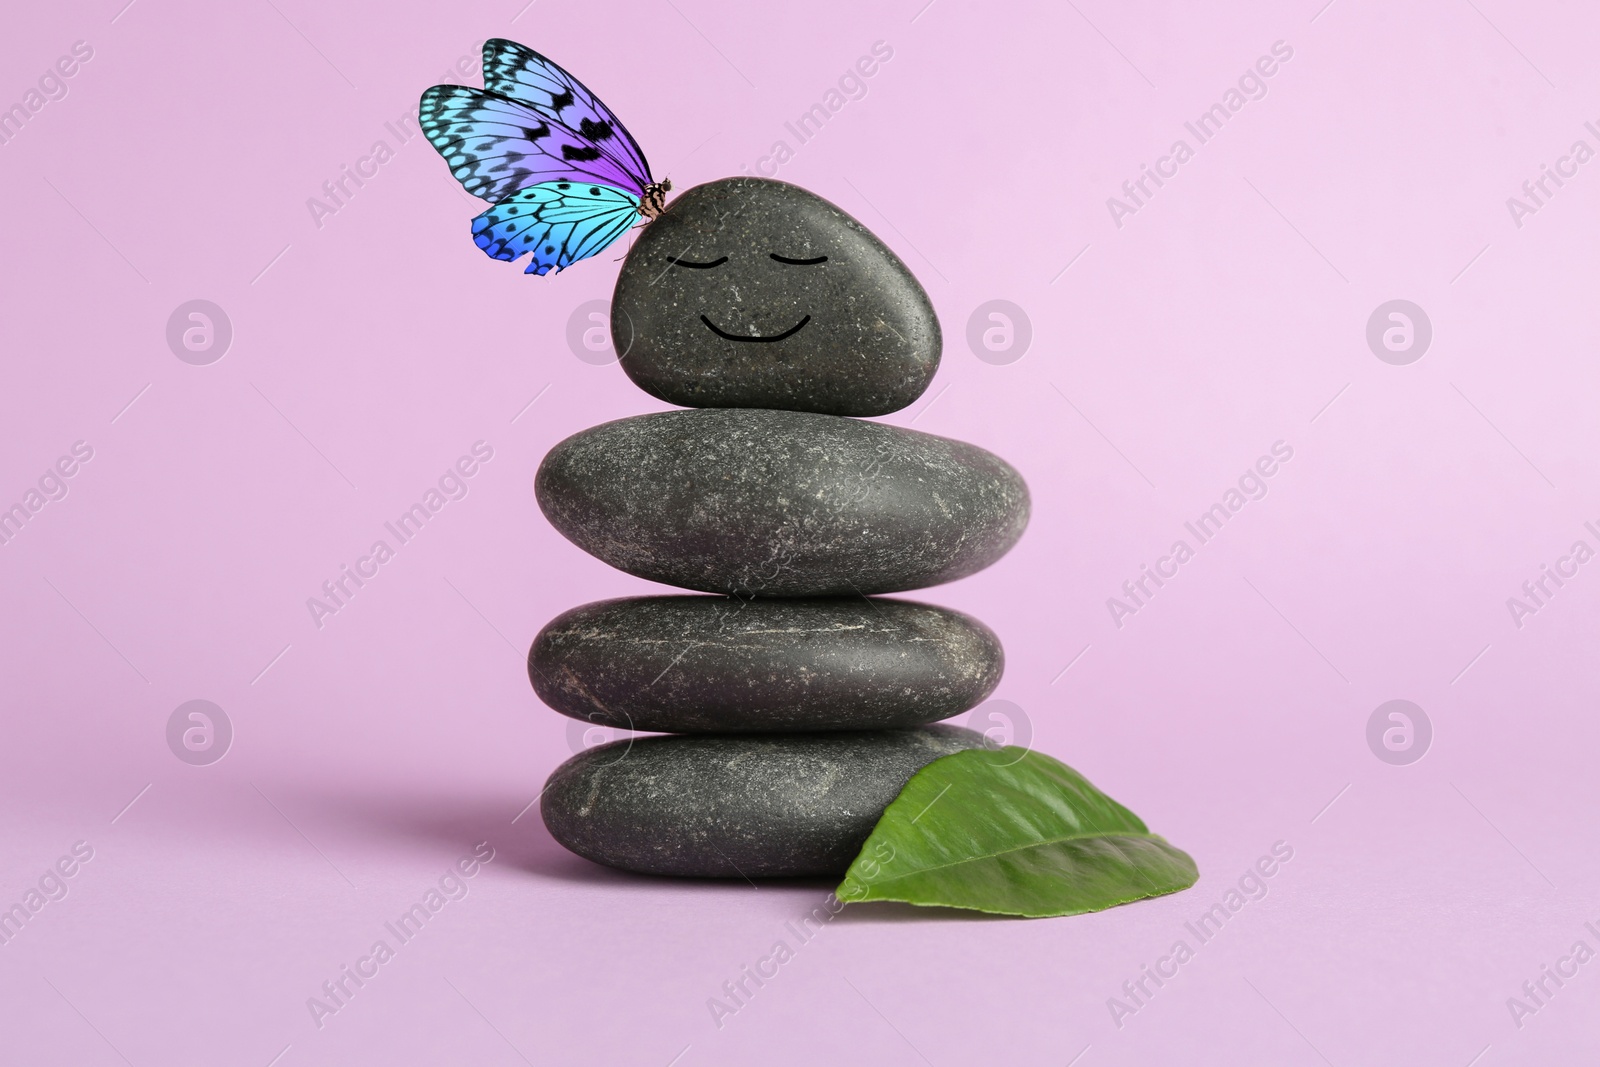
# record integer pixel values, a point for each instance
(566, 176)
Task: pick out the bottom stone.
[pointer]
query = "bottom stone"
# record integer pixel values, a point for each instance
(731, 806)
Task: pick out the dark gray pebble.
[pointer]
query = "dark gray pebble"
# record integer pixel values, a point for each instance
(737, 806)
(705, 664)
(846, 331)
(781, 503)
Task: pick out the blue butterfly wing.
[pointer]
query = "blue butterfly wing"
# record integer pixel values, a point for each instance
(515, 70)
(496, 145)
(558, 223)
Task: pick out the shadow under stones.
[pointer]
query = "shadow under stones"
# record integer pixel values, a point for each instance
(457, 821)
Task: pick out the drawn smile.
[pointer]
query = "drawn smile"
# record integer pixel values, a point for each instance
(725, 335)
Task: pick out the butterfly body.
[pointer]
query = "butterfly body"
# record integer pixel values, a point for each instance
(566, 177)
(654, 201)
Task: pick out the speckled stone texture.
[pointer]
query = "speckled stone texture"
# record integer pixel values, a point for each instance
(737, 806)
(781, 503)
(853, 335)
(703, 664)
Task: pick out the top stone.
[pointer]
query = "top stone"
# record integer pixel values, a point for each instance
(751, 293)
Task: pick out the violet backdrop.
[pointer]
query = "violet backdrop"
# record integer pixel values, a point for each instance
(1174, 341)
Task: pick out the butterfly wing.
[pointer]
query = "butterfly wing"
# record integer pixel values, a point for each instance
(559, 223)
(517, 71)
(496, 145)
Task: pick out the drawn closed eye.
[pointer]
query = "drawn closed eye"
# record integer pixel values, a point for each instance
(799, 262)
(676, 262)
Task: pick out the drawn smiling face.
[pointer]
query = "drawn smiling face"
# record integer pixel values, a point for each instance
(755, 293)
(754, 336)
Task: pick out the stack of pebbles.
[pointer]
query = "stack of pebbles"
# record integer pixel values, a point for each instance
(799, 704)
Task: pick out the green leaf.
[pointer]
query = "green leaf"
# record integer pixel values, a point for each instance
(1011, 832)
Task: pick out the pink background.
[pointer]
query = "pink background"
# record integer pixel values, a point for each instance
(1227, 314)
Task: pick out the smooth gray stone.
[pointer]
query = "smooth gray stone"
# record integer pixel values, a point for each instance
(706, 664)
(781, 503)
(855, 335)
(737, 806)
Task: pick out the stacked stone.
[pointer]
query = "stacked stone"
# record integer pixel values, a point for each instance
(798, 702)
